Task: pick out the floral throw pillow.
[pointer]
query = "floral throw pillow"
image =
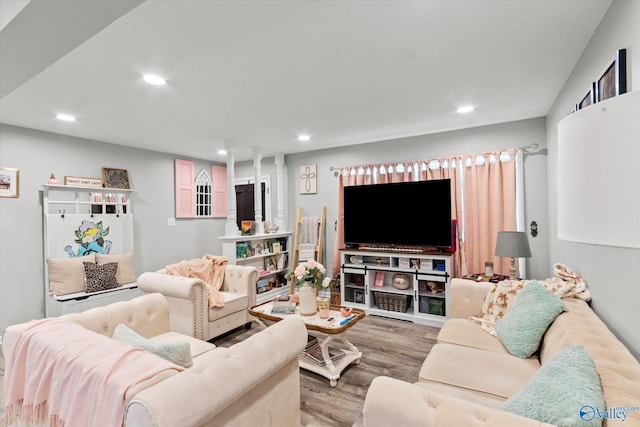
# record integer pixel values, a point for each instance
(100, 277)
(497, 303)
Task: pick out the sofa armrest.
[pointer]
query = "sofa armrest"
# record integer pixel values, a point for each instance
(241, 279)
(394, 402)
(256, 379)
(187, 298)
(467, 297)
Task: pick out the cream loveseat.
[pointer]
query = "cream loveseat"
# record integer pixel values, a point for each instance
(254, 382)
(469, 373)
(188, 301)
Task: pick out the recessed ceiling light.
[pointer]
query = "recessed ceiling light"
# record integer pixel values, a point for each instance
(154, 80)
(222, 152)
(465, 109)
(66, 117)
(304, 138)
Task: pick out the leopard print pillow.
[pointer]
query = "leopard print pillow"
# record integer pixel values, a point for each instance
(100, 277)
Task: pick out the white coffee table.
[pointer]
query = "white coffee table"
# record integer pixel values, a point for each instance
(328, 332)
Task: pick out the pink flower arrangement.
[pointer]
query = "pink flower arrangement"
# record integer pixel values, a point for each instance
(311, 272)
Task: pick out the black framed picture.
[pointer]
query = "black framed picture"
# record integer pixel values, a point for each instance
(613, 81)
(588, 99)
(115, 178)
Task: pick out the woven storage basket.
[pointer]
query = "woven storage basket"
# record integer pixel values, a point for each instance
(392, 302)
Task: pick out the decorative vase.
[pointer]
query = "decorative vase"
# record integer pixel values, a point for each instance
(323, 307)
(346, 311)
(308, 295)
(401, 281)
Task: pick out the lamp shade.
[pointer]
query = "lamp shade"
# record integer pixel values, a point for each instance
(513, 244)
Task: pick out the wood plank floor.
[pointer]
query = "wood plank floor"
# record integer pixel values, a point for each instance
(389, 347)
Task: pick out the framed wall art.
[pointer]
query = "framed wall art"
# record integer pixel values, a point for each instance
(613, 81)
(308, 177)
(115, 178)
(588, 99)
(9, 182)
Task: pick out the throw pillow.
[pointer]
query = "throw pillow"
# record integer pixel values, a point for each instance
(497, 303)
(66, 275)
(566, 391)
(522, 328)
(100, 277)
(178, 352)
(126, 270)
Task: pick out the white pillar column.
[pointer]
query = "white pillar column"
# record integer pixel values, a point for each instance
(279, 221)
(257, 192)
(231, 228)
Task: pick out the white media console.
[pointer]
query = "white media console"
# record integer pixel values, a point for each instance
(407, 285)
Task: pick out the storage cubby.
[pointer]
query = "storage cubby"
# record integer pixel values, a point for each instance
(409, 286)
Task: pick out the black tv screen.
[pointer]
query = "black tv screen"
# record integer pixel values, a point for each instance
(407, 214)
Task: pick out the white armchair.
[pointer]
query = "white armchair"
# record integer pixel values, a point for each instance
(189, 309)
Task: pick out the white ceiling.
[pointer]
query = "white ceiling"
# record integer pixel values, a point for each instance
(252, 75)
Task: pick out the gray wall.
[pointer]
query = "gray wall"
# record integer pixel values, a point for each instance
(37, 154)
(613, 274)
(475, 140)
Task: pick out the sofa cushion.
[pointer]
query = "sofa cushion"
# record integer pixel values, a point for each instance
(523, 327)
(467, 333)
(566, 391)
(489, 400)
(100, 277)
(178, 352)
(482, 371)
(126, 270)
(66, 275)
(232, 304)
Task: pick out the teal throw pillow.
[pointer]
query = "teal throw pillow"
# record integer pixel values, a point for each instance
(178, 352)
(522, 328)
(566, 391)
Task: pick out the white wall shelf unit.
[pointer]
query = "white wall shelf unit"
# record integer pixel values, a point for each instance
(68, 199)
(258, 250)
(367, 282)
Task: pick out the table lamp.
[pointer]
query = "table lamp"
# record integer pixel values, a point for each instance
(513, 244)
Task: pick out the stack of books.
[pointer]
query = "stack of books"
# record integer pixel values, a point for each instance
(283, 305)
(313, 351)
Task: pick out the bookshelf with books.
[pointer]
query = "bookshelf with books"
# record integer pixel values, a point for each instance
(269, 253)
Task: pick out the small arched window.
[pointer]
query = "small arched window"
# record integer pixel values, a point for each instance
(203, 194)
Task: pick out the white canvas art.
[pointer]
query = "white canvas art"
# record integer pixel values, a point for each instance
(308, 179)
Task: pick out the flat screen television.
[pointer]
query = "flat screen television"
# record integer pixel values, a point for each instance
(407, 214)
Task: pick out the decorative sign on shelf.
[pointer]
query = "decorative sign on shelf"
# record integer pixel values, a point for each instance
(83, 182)
(115, 178)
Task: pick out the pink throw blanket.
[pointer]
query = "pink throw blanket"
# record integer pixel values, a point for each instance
(209, 269)
(59, 373)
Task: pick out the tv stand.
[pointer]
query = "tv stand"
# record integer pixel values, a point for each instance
(397, 283)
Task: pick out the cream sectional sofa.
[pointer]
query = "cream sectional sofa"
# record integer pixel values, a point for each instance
(468, 374)
(255, 382)
(188, 302)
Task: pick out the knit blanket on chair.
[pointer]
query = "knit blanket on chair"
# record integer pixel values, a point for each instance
(209, 269)
(59, 373)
